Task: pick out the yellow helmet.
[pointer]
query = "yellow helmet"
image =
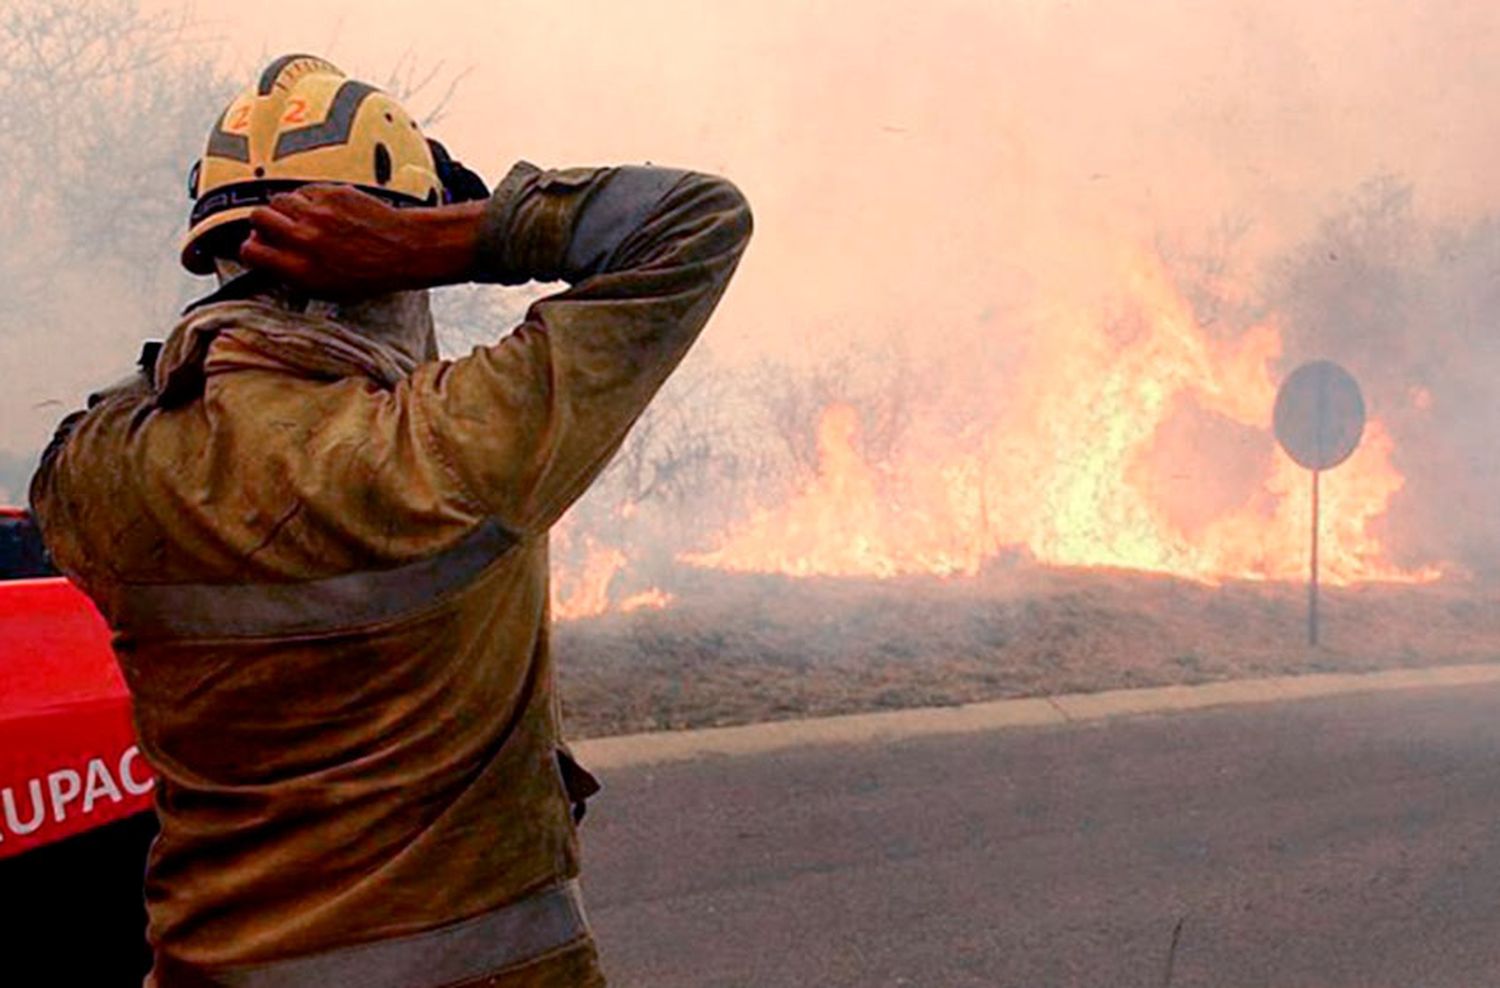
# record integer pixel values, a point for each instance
(303, 121)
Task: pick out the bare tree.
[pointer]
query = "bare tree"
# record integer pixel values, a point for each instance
(109, 104)
(105, 106)
(426, 90)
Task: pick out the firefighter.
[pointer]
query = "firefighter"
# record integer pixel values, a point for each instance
(323, 551)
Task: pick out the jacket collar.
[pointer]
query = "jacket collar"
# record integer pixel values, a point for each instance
(223, 335)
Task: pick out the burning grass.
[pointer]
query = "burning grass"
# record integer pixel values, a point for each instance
(1099, 503)
(739, 648)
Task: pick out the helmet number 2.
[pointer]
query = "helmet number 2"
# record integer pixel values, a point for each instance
(296, 112)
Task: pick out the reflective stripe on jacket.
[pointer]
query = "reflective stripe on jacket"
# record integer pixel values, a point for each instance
(329, 581)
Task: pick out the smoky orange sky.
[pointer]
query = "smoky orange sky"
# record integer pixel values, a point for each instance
(922, 170)
(919, 167)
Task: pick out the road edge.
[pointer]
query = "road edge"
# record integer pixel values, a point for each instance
(657, 747)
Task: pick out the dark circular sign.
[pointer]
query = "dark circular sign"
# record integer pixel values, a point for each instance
(1320, 415)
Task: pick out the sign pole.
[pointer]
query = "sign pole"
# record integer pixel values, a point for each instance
(1312, 586)
(1319, 419)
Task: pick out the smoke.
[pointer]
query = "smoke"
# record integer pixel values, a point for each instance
(933, 184)
(104, 105)
(1411, 308)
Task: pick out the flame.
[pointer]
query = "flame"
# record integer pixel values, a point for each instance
(583, 590)
(647, 600)
(1073, 470)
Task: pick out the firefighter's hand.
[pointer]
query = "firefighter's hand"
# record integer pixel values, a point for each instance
(333, 241)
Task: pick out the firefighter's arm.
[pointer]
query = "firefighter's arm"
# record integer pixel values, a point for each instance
(59, 514)
(525, 424)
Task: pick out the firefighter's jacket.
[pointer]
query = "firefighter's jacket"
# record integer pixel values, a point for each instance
(327, 575)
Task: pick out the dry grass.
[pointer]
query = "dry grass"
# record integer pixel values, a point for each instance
(742, 648)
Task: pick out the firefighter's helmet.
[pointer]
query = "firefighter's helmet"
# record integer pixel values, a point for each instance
(303, 121)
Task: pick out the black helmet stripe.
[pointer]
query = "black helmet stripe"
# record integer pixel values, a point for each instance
(333, 130)
(223, 144)
(269, 76)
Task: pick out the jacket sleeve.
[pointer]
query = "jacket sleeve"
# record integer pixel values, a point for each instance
(524, 425)
(61, 515)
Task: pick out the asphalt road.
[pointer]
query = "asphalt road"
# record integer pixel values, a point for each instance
(1350, 841)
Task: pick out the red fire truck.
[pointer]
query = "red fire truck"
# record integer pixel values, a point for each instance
(75, 794)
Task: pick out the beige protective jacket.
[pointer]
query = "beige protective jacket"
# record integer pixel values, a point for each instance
(328, 580)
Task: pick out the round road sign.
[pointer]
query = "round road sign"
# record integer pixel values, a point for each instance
(1320, 415)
